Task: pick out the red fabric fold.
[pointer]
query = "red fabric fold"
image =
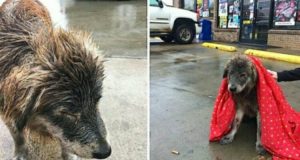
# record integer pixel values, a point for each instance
(280, 123)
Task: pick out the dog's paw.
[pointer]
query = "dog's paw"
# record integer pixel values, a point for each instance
(260, 149)
(226, 140)
(73, 157)
(19, 157)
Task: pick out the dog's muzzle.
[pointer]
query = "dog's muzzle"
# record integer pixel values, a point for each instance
(232, 88)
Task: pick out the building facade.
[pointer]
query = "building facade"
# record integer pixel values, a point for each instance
(263, 22)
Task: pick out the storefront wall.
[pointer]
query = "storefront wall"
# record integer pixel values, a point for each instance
(226, 35)
(284, 38)
(280, 37)
(223, 35)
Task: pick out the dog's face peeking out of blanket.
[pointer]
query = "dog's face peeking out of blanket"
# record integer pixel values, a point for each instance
(242, 79)
(241, 74)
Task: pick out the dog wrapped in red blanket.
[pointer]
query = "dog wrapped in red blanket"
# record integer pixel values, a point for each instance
(279, 124)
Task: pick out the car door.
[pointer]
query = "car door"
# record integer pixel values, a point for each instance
(159, 17)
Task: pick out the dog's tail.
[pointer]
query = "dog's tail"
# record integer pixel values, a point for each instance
(21, 23)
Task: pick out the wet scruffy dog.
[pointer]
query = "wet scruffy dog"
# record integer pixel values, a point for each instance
(50, 82)
(242, 78)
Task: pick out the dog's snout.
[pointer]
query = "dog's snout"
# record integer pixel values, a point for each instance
(232, 88)
(103, 153)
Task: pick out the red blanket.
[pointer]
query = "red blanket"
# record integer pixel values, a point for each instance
(280, 124)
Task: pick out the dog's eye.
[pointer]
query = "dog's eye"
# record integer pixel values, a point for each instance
(71, 116)
(243, 75)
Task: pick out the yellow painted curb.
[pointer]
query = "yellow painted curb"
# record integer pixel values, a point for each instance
(219, 46)
(274, 55)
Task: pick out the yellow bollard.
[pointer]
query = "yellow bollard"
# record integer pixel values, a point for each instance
(219, 46)
(274, 55)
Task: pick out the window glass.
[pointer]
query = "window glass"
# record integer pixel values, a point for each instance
(233, 13)
(223, 13)
(211, 8)
(190, 5)
(153, 3)
(229, 14)
(205, 8)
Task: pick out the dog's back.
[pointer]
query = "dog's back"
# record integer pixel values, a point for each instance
(21, 24)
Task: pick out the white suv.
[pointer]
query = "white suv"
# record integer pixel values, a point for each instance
(170, 23)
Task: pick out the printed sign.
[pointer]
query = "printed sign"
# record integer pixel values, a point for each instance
(285, 12)
(223, 8)
(223, 22)
(233, 21)
(234, 14)
(205, 8)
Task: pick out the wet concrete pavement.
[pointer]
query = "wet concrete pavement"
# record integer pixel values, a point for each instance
(124, 107)
(183, 86)
(119, 29)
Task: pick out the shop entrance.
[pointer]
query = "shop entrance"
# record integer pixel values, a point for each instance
(255, 23)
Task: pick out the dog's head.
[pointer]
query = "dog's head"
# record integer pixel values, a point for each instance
(71, 90)
(241, 74)
(60, 85)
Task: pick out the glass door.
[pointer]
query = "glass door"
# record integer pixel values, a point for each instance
(255, 23)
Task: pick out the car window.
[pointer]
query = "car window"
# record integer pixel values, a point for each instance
(153, 3)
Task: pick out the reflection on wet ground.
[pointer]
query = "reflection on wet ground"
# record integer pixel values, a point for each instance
(183, 86)
(119, 27)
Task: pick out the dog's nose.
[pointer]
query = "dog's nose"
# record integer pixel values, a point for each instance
(232, 88)
(103, 154)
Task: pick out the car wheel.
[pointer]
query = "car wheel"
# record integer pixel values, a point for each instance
(167, 39)
(184, 33)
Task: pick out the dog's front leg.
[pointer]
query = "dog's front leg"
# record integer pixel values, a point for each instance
(235, 126)
(259, 148)
(20, 148)
(19, 140)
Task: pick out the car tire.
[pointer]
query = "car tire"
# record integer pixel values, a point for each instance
(184, 33)
(167, 39)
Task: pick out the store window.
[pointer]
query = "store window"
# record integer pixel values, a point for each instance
(286, 14)
(229, 14)
(211, 7)
(207, 8)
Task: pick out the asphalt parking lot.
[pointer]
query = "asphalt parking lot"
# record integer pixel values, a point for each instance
(183, 86)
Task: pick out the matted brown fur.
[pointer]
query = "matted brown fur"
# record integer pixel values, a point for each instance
(50, 79)
(42, 147)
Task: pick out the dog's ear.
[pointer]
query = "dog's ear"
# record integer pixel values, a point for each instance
(225, 72)
(254, 73)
